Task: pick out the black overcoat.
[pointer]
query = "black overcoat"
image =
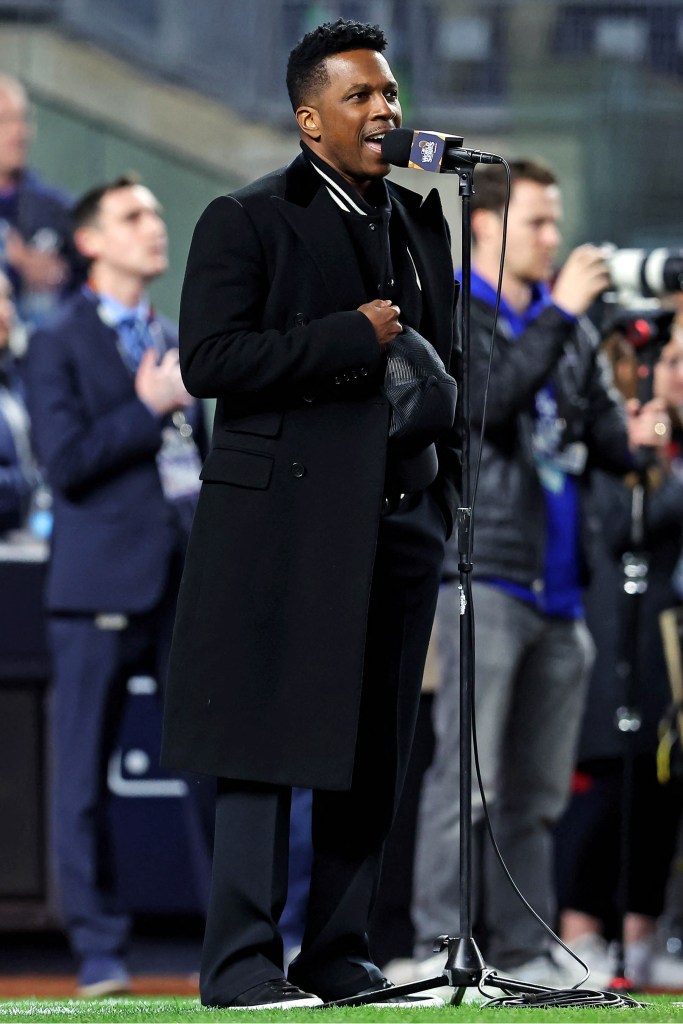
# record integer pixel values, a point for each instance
(267, 659)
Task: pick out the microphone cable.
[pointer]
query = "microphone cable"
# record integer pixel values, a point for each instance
(520, 993)
(526, 993)
(496, 312)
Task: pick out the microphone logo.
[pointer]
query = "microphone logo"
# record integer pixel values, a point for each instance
(427, 150)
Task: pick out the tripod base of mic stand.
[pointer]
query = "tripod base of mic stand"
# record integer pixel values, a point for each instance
(464, 968)
(391, 994)
(511, 992)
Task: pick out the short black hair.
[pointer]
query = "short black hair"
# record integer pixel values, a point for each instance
(306, 65)
(490, 181)
(85, 210)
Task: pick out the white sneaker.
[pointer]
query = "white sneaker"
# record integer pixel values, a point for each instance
(542, 970)
(638, 959)
(666, 972)
(594, 950)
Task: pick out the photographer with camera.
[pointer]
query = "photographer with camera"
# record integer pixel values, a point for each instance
(592, 889)
(551, 416)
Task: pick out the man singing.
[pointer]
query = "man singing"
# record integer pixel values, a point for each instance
(313, 568)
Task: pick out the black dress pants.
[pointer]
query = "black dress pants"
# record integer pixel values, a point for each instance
(242, 946)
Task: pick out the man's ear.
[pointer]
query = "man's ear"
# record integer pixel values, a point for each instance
(307, 118)
(486, 224)
(86, 240)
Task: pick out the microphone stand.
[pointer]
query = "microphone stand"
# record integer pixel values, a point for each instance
(465, 966)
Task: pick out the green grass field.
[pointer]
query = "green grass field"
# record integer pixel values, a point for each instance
(165, 1009)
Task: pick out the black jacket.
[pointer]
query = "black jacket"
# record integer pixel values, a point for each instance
(627, 627)
(509, 509)
(267, 659)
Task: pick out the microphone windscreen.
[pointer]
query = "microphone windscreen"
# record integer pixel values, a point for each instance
(396, 146)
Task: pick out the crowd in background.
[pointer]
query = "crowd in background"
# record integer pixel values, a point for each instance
(44, 275)
(116, 442)
(566, 463)
(38, 266)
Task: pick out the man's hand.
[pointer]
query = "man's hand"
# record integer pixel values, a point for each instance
(38, 269)
(583, 277)
(159, 385)
(384, 318)
(648, 425)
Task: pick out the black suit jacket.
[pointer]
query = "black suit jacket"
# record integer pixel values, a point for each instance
(267, 660)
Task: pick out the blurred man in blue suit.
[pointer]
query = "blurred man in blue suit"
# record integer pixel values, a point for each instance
(115, 431)
(36, 251)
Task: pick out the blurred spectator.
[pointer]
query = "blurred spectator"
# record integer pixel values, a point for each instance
(551, 417)
(589, 837)
(18, 475)
(35, 247)
(113, 428)
(293, 918)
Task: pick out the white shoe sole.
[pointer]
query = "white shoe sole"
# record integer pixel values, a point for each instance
(284, 1004)
(408, 1001)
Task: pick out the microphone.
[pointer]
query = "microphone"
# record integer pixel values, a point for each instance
(431, 151)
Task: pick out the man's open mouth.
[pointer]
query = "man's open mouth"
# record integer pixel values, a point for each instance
(374, 142)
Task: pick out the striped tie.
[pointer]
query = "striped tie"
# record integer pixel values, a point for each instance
(136, 338)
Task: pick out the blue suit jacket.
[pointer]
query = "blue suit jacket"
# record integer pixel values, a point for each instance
(114, 533)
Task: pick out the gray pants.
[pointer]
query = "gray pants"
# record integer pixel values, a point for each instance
(530, 680)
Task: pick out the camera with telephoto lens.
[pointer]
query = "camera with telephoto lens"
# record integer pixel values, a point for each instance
(641, 282)
(643, 274)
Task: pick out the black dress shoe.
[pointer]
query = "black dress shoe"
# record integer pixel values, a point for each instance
(278, 994)
(414, 999)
